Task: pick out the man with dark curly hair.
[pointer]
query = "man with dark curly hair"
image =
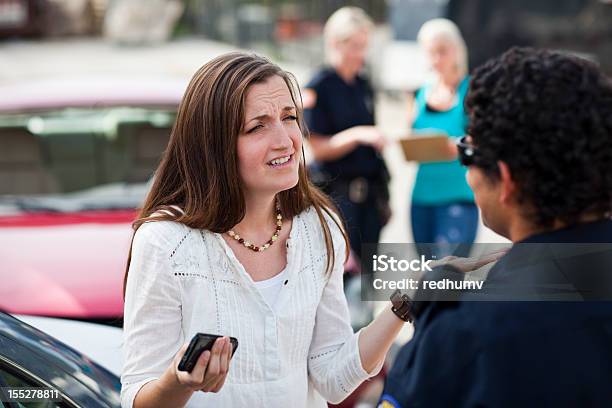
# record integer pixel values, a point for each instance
(539, 156)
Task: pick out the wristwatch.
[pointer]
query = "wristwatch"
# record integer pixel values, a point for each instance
(402, 306)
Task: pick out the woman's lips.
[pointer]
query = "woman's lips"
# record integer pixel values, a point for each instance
(283, 164)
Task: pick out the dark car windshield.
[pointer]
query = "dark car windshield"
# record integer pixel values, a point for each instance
(80, 159)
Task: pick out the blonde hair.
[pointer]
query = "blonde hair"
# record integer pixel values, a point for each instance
(441, 28)
(342, 25)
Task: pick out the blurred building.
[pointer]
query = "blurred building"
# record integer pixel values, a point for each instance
(50, 18)
(492, 26)
(284, 29)
(244, 21)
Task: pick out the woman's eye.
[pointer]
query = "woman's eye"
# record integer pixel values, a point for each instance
(253, 129)
(291, 118)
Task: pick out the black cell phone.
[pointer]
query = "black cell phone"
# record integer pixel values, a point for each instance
(199, 344)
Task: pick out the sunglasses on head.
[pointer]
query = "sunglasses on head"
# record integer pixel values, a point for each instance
(467, 152)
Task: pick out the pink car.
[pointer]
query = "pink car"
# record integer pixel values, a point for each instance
(75, 160)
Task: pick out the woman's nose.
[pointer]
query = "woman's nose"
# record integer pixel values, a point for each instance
(281, 137)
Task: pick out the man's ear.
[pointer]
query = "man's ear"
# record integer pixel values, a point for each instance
(507, 184)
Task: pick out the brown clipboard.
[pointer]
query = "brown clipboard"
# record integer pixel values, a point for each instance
(426, 148)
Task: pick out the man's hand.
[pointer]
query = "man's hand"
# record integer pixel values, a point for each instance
(470, 264)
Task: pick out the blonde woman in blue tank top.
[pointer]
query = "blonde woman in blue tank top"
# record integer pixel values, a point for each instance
(442, 208)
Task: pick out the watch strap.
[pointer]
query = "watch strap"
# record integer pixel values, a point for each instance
(401, 305)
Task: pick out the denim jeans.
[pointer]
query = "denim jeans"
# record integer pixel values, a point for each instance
(452, 228)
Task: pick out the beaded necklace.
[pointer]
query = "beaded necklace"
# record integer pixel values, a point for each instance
(261, 248)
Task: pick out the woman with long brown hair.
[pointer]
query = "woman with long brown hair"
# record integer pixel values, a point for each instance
(234, 240)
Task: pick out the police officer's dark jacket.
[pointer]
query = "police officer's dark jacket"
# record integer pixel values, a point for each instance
(339, 106)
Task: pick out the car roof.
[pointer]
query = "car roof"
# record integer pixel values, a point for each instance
(56, 363)
(99, 342)
(91, 91)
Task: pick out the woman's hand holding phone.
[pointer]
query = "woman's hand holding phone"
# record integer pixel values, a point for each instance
(211, 369)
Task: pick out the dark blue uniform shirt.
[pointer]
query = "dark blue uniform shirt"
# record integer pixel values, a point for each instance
(512, 354)
(339, 106)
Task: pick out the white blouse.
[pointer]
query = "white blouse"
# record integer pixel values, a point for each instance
(270, 288)
(300, 353)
